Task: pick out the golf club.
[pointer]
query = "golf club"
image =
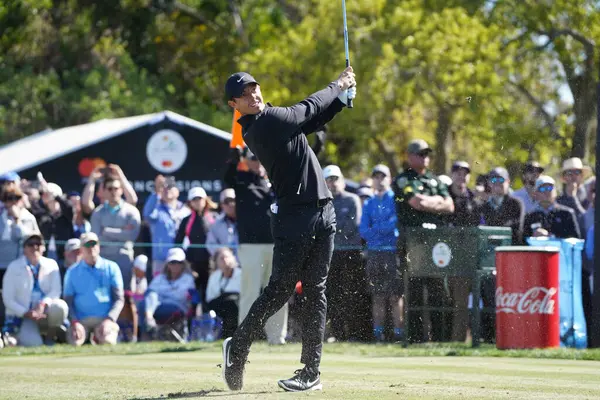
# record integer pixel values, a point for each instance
(346, 44)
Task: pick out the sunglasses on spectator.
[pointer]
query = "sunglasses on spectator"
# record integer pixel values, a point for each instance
(424, 154)
(90, 244)
(497, 179)
(35, 243)
(175, 262)
(332, 178)
(12, 198)
(545, 188)
(229, 201)
(573, 172)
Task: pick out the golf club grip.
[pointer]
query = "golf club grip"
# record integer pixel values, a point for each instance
(349, 105)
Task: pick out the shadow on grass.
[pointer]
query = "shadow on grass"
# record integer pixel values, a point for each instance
(214, 392)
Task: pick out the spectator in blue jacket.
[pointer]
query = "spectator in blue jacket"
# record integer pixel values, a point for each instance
(379, 229)
(164, 213)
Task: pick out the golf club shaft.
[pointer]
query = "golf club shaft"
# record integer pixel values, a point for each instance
(346, 43)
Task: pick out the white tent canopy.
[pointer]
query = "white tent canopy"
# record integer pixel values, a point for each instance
(48, 145)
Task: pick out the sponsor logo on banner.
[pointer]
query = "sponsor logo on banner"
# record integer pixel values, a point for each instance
(536, 300)
(166, 151)
(441, 255)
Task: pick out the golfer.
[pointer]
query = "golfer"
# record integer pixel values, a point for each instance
(302, 218)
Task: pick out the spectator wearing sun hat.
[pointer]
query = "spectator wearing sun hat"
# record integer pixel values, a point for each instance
(192, 234)
(550, 219)
(574, 193)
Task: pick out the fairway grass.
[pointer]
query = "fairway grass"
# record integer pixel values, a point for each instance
(349, 371)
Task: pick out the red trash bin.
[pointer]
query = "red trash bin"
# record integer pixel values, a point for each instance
(527, 313)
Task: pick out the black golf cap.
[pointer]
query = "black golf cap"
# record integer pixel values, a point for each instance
(236, 83)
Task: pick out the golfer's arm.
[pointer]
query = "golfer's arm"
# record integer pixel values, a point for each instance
(291, 119)
(320, 120)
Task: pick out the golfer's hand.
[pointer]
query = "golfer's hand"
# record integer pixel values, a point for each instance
(347, 94)
(346, 79)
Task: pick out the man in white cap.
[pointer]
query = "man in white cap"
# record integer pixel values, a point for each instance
(550, 218)
(94, 293)
(574, 192)
(224, 233)
(347, 295)
(72, 252)
(31, 291)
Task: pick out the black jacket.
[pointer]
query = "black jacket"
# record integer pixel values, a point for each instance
(560, 221)
(511, 213)
(277, 137)
(466, 210)
(60, 226)
(197, 236)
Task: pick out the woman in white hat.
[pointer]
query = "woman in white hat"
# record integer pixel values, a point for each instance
(167, 299)
(191, 235)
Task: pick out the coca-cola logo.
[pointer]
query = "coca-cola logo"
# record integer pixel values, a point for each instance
(536, 300)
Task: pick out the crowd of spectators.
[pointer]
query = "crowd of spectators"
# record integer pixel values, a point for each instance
(95, 268)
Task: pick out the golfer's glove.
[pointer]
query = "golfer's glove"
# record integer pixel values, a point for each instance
(348, 93)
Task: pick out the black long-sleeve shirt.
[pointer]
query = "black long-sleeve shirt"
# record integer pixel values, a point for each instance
(277, 137)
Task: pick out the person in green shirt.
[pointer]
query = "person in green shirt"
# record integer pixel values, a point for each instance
(422, 200)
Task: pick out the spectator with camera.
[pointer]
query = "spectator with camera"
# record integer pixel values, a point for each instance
(164, 213)
(117, 223)
(31, 290)
(98, 176)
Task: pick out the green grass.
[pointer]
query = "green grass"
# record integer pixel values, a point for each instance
(349, 371)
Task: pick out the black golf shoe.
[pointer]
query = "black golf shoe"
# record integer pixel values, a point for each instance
(303, 380)
(233, 368)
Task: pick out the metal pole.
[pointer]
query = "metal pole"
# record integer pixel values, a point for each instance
(594, 335)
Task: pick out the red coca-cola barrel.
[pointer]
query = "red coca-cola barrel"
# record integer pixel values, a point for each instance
(527, 313)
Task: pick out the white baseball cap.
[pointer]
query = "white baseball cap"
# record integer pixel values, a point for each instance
(176, 254)
(332, 170)
(544, 180)
(141, 262)
(227, 194)
(54, 189)
(382, 169)
(196, 192)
